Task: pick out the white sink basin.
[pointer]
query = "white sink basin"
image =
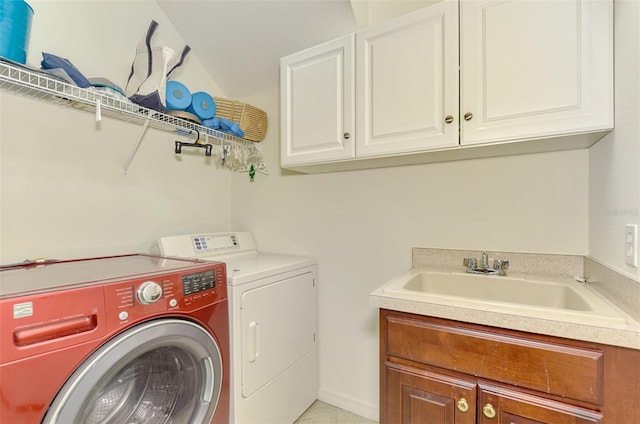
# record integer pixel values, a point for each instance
(498, 289)
(542, 297)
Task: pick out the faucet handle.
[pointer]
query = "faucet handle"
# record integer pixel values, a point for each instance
(470, 262)
(501, 265)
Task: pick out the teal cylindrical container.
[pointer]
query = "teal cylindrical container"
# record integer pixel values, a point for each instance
(15, 28)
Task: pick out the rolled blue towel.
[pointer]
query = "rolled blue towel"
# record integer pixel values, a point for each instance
(178, 96)
(202, 105)
(231, 127)
(213, 123)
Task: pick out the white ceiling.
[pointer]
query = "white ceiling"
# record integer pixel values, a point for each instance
(241, 42)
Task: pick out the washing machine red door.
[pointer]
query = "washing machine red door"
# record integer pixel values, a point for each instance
(162, 371)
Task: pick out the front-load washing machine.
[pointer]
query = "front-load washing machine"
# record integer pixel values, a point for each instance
(274, 366)
(125, 339)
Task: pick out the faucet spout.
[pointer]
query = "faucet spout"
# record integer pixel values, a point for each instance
(484, 261)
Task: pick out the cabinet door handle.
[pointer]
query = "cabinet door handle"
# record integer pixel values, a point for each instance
(463, 405)
(468, 116)
(347, 136)
(448, 119)
(489, 411)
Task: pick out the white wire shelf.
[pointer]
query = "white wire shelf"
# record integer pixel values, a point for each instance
(39, 86)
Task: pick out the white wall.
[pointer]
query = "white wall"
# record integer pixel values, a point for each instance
(614, 163)
(361, 226)
(63, 191)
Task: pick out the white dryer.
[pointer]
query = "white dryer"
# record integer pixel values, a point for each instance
(272, 298)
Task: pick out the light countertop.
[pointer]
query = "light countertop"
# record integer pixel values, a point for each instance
(616, 328)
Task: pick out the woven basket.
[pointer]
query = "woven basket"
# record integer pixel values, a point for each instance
(252, 120)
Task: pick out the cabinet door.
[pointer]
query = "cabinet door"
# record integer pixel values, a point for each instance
(532, 69)
(407, 82)
(317, 103)
(501, 405)
(419, 396)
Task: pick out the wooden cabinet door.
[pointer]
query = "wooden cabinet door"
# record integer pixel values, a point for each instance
(502, 405)
(415, 396)
(532, 69)
(407, 82)
(317, 103)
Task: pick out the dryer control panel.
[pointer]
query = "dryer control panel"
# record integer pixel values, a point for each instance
(204, 244)
(216, 242)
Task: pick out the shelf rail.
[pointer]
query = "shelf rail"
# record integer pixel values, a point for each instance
(43, 87)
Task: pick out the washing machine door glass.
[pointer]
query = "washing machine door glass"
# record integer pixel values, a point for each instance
(165, 371)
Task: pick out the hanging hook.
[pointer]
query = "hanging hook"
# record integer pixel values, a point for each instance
(207, 147)
(225, 152)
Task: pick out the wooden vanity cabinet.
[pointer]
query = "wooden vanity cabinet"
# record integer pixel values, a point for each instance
(440, 371)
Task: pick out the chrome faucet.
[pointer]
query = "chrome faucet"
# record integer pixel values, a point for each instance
(500, 266)
(484, 261)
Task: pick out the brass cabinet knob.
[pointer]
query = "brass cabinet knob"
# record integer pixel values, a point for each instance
(489, 411)
(468, 116)
(347, 136)
(448, 119)
(463, 405)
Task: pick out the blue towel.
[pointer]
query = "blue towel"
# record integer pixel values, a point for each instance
(178, 96)
(213, 123)
(231, 127)
(51, 61)
(202, 105)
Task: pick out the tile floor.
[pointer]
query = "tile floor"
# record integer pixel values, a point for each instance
(323, 413)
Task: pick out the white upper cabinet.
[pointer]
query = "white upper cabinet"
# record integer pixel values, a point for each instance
(317, 104)
(407, 83)
(455, 80)
(532, 69)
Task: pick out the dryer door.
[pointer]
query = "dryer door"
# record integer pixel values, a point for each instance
(278, 329)
(163, 371)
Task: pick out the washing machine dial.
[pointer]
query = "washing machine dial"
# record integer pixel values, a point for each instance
(149, 292)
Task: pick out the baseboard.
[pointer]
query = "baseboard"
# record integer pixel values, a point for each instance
(348, 403)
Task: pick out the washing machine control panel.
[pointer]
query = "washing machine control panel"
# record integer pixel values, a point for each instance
(195, 283)
(178, 292)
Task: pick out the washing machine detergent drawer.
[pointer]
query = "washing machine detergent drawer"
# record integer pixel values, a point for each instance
(278, 329)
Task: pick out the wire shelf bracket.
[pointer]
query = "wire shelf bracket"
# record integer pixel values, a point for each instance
(137, 146)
